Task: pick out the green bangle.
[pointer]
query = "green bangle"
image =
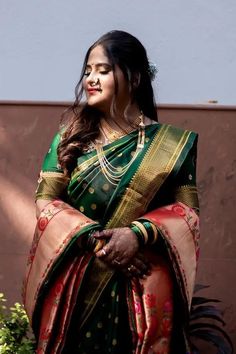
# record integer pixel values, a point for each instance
(91, 241)
(152, 231)
(145, 231)
(139, 234)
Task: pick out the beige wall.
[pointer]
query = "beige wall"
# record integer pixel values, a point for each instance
(25, 134)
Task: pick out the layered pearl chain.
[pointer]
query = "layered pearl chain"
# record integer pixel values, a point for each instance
(113, 174)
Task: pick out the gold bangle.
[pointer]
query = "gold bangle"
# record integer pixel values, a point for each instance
(143, 230)
(155, 233)
(99, 245)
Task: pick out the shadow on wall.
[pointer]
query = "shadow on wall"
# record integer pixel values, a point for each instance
(25, 134)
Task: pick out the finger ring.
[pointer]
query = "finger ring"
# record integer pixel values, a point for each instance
(117, 262)
(131, 267)
(103, 252)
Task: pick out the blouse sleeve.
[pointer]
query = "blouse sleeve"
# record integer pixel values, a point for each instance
(185, 186)
(52, 181)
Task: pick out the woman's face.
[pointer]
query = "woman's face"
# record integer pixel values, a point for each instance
(99, 84)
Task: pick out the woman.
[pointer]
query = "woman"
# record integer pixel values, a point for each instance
(113, 262)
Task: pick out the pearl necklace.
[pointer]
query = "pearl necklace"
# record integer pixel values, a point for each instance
(113, 174)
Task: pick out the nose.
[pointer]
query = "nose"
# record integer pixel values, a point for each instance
(94, 82)
(91, 79)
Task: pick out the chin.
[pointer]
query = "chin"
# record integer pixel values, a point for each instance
(96, 104)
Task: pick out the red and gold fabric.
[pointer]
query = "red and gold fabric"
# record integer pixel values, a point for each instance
(66, 284)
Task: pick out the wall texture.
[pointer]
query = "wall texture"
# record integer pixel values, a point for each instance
(193, 43)
(25, 134)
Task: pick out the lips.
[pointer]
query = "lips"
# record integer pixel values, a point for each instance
(93, 90)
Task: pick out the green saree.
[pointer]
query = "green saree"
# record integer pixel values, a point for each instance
(76, 303)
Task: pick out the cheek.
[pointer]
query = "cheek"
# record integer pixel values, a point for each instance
(108, 82)
(84, 84)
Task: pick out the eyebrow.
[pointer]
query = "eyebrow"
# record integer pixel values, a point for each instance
(98, 65)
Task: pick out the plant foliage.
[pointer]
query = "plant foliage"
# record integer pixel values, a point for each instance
(14, 330)
(206, 323)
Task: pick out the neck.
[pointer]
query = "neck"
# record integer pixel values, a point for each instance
(124, 119)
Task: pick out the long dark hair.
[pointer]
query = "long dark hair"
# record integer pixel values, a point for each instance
(81, 123)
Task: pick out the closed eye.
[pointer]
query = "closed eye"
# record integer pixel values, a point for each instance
(104, 72)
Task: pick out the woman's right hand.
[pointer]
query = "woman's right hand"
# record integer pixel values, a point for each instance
(138, 267)
(120, 253)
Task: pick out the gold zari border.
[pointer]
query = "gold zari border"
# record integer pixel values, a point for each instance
(51, 185)
(188, 195)
(156, 166)
(44, 174)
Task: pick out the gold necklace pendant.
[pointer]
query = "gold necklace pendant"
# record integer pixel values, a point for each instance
(108, 133)
(109, 137)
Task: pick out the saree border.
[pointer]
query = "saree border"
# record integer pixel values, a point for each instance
(160, 147)
(187, 194)
(165, 150)
(168, 220)
(42, 257)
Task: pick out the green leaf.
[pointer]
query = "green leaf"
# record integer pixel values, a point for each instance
(216, 339)
(14, 329)
(201, 312)
(198, 300)
(199, 287)
(194, 328)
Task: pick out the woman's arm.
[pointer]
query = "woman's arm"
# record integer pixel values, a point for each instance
(52, 181)
(40, 204)
(185, 190)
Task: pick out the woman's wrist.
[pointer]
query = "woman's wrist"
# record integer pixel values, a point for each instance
(146, 232)
(88, 241)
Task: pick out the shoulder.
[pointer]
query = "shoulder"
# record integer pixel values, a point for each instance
(56, 139)
(173, 129)
(177, 132)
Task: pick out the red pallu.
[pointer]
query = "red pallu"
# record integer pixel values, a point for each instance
(150, 300)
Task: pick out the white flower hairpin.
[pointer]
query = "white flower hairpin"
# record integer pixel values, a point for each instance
(152, 70)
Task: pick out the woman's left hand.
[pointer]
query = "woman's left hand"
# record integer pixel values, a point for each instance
(121, 247)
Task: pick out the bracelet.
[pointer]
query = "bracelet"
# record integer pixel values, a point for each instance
(99, 245)
(138, 234)
(145, 231)
(142, 231)
(90, 241)
(155, 233)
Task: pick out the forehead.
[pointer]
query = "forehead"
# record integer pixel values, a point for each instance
(97, 55)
